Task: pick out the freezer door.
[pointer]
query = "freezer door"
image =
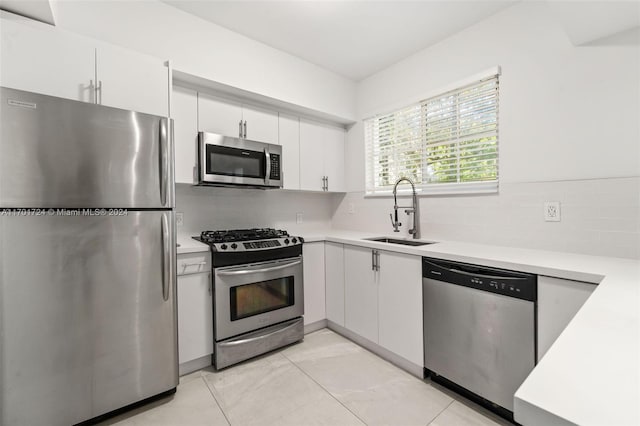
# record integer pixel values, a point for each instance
(61, 153)
(87, 315)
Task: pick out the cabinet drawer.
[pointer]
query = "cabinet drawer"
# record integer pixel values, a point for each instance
(194, 263)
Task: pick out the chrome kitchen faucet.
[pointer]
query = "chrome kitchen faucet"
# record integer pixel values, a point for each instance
(408, 210)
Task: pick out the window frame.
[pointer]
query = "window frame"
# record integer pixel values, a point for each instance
(438, 188)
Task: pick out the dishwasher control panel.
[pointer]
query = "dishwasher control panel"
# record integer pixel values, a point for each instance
(501, 281)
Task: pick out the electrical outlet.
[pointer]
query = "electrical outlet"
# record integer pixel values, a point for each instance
(299, 218)
(352, 208)
(552, 211)
(179, 218)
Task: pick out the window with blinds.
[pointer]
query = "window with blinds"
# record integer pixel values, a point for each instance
(445, 144)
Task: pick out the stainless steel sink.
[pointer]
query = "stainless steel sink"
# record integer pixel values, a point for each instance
(399, 241)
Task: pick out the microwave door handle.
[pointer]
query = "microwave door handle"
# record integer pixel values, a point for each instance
(256, 271)
(267, 158)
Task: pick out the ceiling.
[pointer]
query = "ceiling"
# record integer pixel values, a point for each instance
(352, 38)
(39, 10)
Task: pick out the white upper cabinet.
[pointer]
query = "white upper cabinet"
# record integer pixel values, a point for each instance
(289, 137)
(311, 156)
(321, 157)
(184, 112)
(225, 117)
(131, 80)
(334, 159)
(260, 124)
(40, 58)
(219, 116)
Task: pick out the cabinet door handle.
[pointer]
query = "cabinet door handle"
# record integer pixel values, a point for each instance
(245, 129)
(99, 93)
(199, 264)
(240, 129)
(377, 260)
(327, 186)
(92, 92)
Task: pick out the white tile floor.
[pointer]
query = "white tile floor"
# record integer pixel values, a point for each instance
(325, 380)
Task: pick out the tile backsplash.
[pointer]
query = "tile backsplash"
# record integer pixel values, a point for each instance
(598, 216)
(210, 208)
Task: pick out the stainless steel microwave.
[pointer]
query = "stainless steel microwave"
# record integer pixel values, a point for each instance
(227, 161)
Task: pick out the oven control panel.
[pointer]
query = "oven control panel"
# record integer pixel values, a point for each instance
(270, 244)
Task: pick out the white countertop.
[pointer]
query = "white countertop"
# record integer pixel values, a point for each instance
(591, 374)
(186, 244)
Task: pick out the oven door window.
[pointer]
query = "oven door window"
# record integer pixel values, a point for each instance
(227, 161)
(257, 298)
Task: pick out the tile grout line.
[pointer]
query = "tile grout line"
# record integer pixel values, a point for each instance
(324, 389)
(442, 411)
(215, 399)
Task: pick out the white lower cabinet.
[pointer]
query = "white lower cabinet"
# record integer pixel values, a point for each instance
(383, 299)
(400, 305)
(195, 311)
(334, 279)
(314, 283)
(361, 292)
(558, 302)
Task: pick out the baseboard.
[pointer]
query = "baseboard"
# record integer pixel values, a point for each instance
(194, 364)
(315, 326)
(397, 360)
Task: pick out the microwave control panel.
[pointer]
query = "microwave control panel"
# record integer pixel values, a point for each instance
(275, 167)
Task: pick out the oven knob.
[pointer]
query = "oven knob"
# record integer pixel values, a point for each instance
(294, 240)
(223, 246)
(286, 241)
(234, 246)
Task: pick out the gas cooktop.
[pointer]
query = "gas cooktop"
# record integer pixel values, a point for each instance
(248, 239)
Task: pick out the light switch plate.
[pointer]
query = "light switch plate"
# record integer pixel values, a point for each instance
(299, 218)
(179, 218)
(352, 208)
(552, 211)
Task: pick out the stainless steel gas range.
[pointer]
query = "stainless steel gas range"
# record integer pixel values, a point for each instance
(258, 298)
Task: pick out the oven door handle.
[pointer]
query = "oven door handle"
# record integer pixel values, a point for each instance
(257, 271)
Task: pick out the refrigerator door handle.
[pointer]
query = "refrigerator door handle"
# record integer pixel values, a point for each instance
(166, 258)
(164, 161)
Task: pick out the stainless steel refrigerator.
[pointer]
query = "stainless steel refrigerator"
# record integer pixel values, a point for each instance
(87, 259)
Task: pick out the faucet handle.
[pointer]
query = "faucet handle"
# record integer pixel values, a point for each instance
(395, 224)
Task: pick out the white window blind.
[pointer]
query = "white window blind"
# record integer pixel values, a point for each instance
(445, 144)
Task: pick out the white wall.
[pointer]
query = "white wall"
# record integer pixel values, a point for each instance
(207, 50)
(208, 208)
(569, 132)
(566, 112)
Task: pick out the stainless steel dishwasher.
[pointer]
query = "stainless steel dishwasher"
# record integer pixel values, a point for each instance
(479, 329)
